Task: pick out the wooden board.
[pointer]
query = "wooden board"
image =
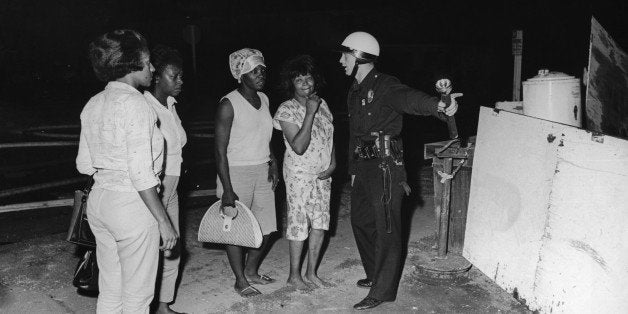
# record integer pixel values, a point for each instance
(606, 105)
(459, 197)
(459, 203)
(547, 213)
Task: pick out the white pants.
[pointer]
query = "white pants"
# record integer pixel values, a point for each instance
(127, 249)
(170, 271)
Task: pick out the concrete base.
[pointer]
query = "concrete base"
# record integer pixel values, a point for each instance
(432, 269)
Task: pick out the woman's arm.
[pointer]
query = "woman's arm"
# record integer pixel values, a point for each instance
(299, 138)
(224, 120)
(153, 202)
(273, 168)
(332, 165)
(83, 158)
(138, 127)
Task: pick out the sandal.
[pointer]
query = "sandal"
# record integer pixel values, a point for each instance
(247, 292)
(260, 280)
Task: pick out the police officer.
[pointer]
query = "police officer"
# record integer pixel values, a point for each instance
(377, 102)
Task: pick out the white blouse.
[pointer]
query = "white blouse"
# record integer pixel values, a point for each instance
(120, 143)
(171, 128)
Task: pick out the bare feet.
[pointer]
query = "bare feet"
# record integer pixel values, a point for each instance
(315, 280)
(298, 283)
(164, 308)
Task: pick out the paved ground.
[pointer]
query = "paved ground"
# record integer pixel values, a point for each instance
(35, 277)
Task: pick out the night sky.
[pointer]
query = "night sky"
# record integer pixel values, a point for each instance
(44, 42)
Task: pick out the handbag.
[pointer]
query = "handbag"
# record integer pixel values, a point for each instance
(231, 225)
(86, 273)
(79, 231)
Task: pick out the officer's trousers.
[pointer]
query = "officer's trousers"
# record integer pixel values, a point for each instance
(127, 248)
(380, 251)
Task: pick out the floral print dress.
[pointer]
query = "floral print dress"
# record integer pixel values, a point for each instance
(307, 196)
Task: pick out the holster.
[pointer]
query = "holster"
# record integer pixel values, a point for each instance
(379, 146)
(390, 150)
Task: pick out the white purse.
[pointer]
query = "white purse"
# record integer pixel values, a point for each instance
(232, 225)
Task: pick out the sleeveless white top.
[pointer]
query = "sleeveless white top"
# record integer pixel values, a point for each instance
(251, 131)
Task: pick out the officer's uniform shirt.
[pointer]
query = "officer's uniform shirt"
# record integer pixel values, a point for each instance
(378, 104)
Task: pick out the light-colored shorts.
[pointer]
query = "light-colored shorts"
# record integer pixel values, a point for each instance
(308, 203)
(251, 185)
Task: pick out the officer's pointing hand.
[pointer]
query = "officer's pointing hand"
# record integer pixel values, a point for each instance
(453, 108)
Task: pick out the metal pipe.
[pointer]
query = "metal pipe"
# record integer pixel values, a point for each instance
(36, 205)
(42, 186)
(38, 144)
(70, 201)
(443, 230)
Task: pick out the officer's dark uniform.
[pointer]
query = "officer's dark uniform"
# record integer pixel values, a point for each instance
(377, 105)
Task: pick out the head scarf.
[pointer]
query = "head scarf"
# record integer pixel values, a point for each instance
(244, 61)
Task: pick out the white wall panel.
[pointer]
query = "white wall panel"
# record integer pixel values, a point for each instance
(548, 213)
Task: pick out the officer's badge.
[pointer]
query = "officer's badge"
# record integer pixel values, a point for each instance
(370, 95)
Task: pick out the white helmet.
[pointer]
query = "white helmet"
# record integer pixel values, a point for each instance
(363, 46)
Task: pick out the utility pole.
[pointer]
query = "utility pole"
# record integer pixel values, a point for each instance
(192, 35)
(517, 51)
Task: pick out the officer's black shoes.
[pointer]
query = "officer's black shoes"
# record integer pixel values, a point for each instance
(367, 303)
(364, 283)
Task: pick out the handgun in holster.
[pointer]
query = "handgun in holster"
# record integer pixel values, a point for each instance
(379, 145)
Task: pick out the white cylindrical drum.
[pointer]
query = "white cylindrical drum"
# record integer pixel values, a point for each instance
(553, 96)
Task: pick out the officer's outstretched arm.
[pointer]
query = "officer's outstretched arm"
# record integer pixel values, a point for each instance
(405, 99)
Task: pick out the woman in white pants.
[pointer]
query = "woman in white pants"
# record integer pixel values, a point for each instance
(167, 83)
(122, 148)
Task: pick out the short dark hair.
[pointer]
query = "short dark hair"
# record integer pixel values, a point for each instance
(299, 65)
(162, 56)
(117, 53)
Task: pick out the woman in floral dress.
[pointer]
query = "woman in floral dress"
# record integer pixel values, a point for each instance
(309, 161)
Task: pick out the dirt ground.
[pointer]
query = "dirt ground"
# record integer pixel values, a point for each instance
(35, 277)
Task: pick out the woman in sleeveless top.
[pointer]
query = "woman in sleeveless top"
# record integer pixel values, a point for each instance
(247, 169)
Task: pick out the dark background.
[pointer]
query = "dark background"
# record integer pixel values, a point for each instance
(44, 67)
(45, 76)
(43, 43)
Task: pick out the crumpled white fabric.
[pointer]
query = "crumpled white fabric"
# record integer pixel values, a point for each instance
(244, 61)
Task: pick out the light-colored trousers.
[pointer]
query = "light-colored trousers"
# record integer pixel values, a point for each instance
(170, 271)
(251, 185)
(127, 249)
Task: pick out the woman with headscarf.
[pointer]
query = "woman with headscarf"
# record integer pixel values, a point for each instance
(167, 83)
(247, 169)
(121, 146)
(308, 130)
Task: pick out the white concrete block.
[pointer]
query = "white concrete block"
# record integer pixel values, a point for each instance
(548, 213)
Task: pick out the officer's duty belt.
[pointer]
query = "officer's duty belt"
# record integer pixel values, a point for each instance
(380, 147)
